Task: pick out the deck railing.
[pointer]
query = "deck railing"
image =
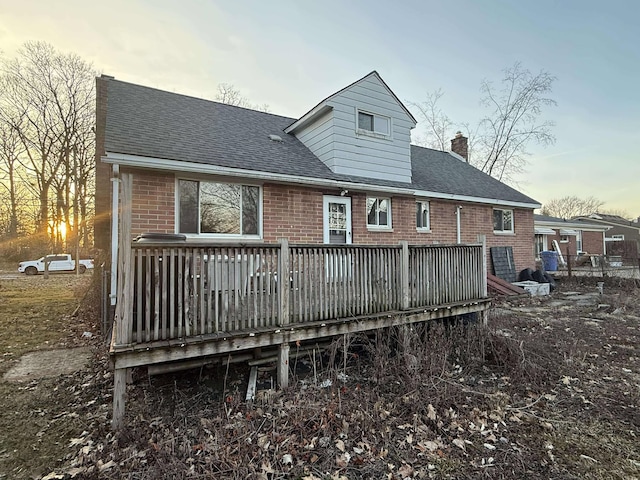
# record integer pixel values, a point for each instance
(180, 291)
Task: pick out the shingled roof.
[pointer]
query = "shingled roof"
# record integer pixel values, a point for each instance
(152, 123)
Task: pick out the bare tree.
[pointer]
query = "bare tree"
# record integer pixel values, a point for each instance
(514, 119)
(10, 149)
(438, 126)
(49, 102)
(571, 206)
(229, 94)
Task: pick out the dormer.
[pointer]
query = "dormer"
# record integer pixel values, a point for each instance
(362, 130)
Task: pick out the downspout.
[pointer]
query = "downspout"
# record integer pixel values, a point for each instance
(115, 217)
(458, 209)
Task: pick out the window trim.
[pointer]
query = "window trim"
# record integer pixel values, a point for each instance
(373, 133)
(225, 236)
(503, 231)
(426, 229)
(564, 238)
(389, 226)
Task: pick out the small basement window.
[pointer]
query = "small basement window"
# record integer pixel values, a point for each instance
(502, 221)
(370, 122)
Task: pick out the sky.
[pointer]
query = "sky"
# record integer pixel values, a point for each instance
(290, 54)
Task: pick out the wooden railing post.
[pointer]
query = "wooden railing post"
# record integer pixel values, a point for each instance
(284, 272)
(124, 308)
(125, 287)
(483, 240)
(404, 274)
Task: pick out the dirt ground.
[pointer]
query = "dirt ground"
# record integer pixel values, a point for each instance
(549, 389)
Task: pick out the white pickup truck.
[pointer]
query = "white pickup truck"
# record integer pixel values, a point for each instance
(57, 263)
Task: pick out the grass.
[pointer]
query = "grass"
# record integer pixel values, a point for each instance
(35, 314)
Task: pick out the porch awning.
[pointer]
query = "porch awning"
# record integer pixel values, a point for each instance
(568, 231)
(544, 231)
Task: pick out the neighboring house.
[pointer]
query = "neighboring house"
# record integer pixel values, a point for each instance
(344, 172)
(620, 229)
(575, 236)
(371, 231)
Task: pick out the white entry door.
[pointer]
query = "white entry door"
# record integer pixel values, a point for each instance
(337, 219)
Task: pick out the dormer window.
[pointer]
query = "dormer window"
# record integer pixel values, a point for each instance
(372, 123)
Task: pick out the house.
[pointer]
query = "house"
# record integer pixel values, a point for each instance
(371, 231)
(622, 236)
(572, 237)
(352, 152)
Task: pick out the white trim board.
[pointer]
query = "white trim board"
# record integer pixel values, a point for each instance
(179, 166)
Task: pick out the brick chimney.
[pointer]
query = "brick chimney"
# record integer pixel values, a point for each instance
(459, 145)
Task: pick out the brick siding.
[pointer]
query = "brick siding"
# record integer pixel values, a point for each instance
(295, 213)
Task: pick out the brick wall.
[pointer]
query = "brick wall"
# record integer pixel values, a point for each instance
(593, 243)
(153, 203)
(290, 212)
(296, 213)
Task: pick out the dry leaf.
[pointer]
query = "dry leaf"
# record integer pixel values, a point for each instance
(406, 471)
(340, 445)
(459, 443)
(431, 412)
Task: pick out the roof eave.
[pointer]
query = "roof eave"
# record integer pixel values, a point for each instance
(309, 117)
(169, 165)
(575, 225)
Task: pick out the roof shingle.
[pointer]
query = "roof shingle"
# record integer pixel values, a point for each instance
(147, 122)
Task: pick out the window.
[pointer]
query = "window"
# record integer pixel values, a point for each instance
(540, 243)
(579, 241)
(218, 208)
(422, 215)
(502, 221)
(564, 238)
(370, 122)
(378, 212)
(618, 237)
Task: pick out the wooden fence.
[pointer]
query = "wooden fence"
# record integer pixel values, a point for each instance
(177, 291)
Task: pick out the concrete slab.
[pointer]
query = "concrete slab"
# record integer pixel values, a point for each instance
(49, 363)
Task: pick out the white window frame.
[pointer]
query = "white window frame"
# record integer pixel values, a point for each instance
(503, 231)
(564, 238)
(617, 237)
(373, 133)
(423, 228)
(257, 236)
(370, 226)
(579, 242)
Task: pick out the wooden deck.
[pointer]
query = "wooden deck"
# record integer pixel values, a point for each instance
(184, 301)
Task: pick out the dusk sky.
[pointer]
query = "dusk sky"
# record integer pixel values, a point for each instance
(292, 54)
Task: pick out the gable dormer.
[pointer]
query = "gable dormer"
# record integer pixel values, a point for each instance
(362, 130)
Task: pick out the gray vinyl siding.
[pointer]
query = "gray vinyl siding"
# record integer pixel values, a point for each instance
(334, 137)
(319, 138)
